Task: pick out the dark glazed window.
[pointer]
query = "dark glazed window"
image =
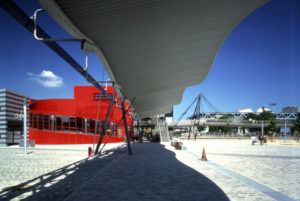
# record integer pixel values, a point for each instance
(40, 120)
(66, 123)
(92, 126)
(112, 129)
(98, 127)
(58, 123)
(79, 124)
(108, 129)
(31, 120)
(73, 124)
(46, 122)
(35, 121)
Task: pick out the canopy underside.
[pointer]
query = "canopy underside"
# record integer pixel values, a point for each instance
(153, 49)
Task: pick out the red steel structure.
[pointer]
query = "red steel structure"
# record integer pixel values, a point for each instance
(78, 120)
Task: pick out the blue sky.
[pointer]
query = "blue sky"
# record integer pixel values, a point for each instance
(259, 62)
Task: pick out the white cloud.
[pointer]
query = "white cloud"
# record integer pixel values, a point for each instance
(47, 78)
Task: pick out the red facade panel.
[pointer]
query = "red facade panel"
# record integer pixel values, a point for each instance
(78, 120)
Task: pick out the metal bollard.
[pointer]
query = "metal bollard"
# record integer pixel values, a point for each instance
(90, 152)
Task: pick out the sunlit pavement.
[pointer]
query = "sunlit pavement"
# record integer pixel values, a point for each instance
(22, 175)
(246, 172)
(235, 170)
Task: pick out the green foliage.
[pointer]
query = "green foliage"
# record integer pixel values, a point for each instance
(272, 126)
(252, 116)
(200, 128)
(223, 129)
(266, 115)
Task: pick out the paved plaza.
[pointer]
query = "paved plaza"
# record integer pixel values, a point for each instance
(246, 172)
(235, 170)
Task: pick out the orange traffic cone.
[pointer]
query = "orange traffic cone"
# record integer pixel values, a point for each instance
(203, 158)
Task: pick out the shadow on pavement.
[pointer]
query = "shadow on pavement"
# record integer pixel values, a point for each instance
(58, 184)
(151, 173)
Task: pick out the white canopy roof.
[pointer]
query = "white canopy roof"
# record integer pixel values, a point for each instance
(153, 49)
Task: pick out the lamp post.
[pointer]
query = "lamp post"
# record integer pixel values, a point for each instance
(25, 125)
(262, 121)
(285, 129)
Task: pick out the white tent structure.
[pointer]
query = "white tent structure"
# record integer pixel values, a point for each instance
(153, 49)
(246, 110)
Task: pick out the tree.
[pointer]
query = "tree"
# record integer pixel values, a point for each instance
(200, 128)
(266, 115)
(297, 128)
(227, 116)
(252, 116)
(272, 126)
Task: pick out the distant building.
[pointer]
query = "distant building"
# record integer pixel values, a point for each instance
(290, 110)
(11, 113)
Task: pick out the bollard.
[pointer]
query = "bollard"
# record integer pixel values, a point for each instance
(90, 152)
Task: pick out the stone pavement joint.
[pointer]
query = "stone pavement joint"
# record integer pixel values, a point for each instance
(258, 186)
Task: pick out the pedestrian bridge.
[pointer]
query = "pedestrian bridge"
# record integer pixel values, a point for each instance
(241, 115)
(237, 119)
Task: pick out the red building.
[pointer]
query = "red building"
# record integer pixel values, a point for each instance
(78, 120)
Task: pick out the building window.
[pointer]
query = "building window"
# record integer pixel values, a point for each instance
(79, 124)
(52, 123)
(66, 123)
(86, 125)
(35, 121)
(73, 124)
(40, 121)
(58, 123)
(46, 122)
(31, 120)
(119, 132)
(98, 127)
(112, 129)
(108, 129)
(92, 126)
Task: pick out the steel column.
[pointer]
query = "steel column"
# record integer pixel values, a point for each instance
(126, 128)
(140, 132)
